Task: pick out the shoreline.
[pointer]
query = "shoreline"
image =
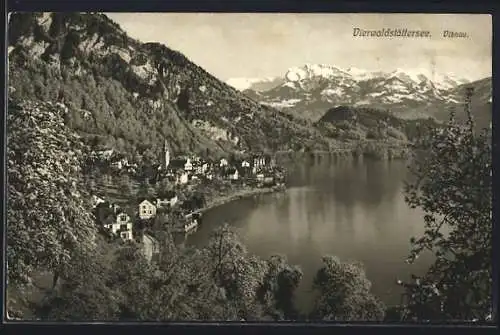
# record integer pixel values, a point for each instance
(378, 154)
(242, 194)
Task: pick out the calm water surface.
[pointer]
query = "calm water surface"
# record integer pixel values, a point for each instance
(352, 209)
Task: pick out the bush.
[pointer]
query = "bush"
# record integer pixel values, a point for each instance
(453, 187)
(344, 293)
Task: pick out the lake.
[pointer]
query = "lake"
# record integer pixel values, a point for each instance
(351, 208)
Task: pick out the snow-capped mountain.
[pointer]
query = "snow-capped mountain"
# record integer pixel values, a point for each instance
(311, 89)
(409, 76)
(256, 84)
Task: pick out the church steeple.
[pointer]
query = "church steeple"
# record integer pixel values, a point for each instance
(166, 155)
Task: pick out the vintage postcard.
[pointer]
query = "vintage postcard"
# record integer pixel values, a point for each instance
(249, 167)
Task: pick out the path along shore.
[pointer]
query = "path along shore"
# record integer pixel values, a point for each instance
(240, 194)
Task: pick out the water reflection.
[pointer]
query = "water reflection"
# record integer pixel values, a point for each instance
(348, 208)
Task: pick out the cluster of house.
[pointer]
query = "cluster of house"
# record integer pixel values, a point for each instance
(180, 171)
(258, 168)
(183, 170)
(119, 222)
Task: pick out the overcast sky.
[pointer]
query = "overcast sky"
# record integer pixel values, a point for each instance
(230, 45)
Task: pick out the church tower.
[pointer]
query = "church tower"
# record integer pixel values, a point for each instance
(166, 156)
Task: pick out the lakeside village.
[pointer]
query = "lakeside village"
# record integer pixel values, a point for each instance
(181, 205)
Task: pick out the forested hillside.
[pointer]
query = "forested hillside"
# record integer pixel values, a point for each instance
(131, 96)
(354, 124)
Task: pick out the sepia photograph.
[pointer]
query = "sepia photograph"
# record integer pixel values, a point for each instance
(249, 167)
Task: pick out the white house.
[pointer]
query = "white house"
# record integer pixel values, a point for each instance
(245, 164)
(146, 210)
(201, 168)
(167, 201)
(122, 226)
(259, 162)
(182, 178)
(188, 166)
(233, 174)
(162, 202)
(223, 162)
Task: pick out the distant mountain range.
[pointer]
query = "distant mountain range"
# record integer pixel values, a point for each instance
(310, 90)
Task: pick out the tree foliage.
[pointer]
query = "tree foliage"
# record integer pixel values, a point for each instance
(86, 293)
(278, 289)
(344, 293)
(48, 217)
(452, 185)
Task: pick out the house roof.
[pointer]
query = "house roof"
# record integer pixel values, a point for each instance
(111, 217)
(177, 163)
(232, 170)
(120, 210)
(150, 200)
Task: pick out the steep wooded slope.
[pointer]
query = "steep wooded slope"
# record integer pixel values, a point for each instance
(131, 95)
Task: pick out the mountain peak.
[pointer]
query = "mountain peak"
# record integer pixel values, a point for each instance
(409, 91)
(309, 71)
(416, 76)
(424, 75)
